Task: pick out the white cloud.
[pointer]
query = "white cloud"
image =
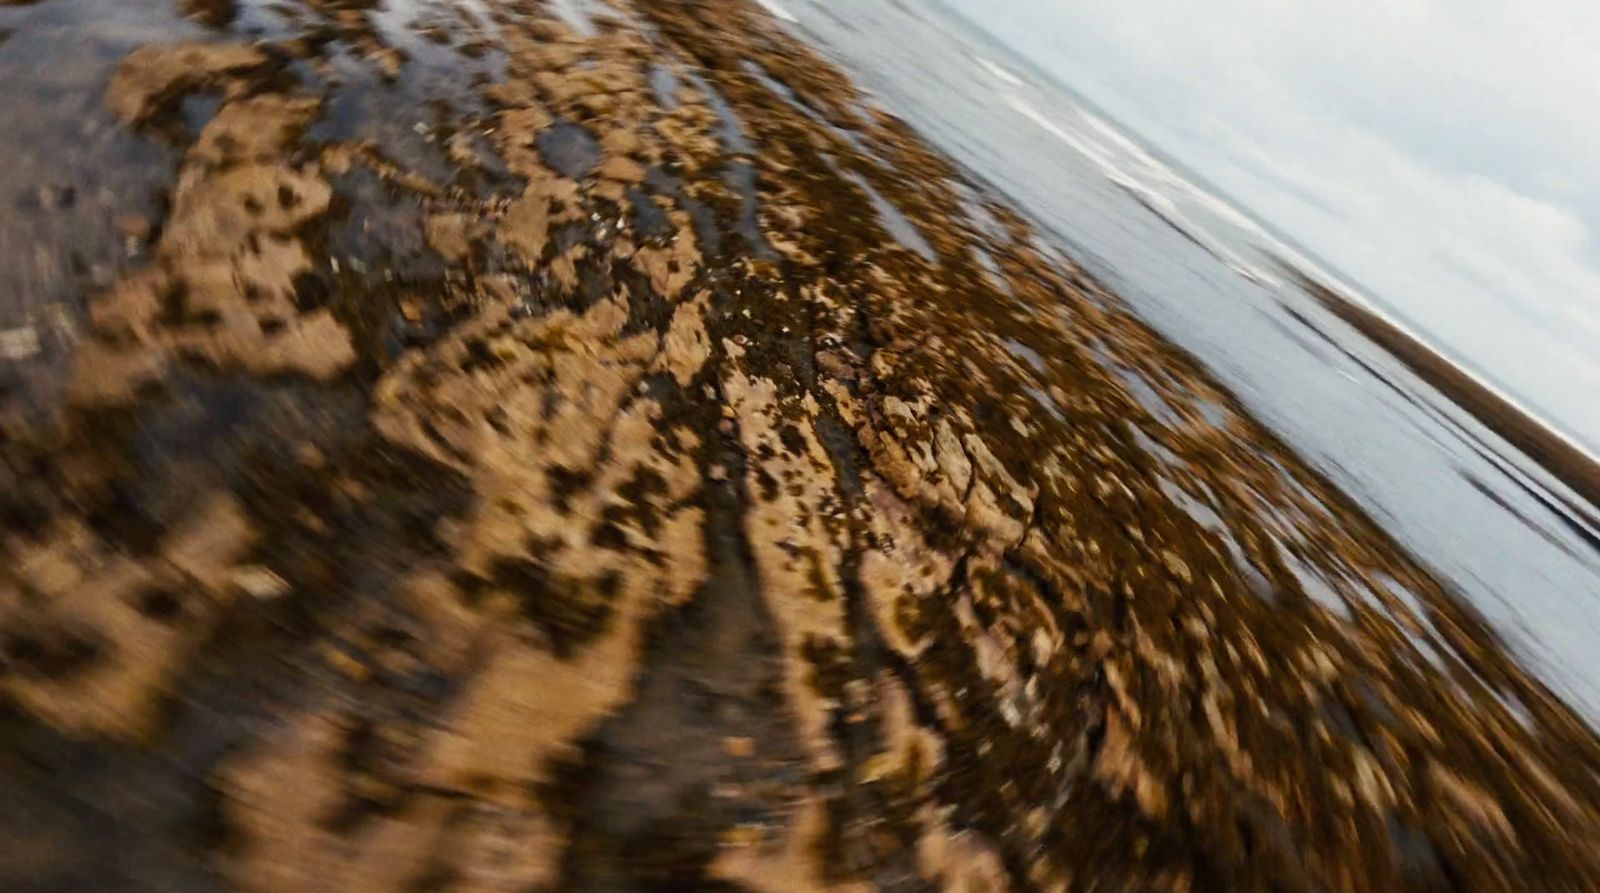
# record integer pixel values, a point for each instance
(1442, 152)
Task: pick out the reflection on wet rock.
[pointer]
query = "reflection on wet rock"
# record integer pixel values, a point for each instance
(635, 466)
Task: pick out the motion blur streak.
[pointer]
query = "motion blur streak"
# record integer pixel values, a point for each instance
(730, 446)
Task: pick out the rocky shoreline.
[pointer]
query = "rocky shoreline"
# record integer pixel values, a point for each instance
(1553, 451)
(593, 447)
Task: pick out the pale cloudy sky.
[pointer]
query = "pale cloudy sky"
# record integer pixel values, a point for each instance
(1444, 153)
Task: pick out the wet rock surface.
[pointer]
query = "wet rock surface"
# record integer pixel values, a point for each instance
(587, 447)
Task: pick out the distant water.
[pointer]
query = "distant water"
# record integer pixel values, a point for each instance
(1479, 514)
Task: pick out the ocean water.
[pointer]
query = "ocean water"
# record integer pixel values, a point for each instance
(1510, 538)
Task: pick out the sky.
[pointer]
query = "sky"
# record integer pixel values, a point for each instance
(1443, 153)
